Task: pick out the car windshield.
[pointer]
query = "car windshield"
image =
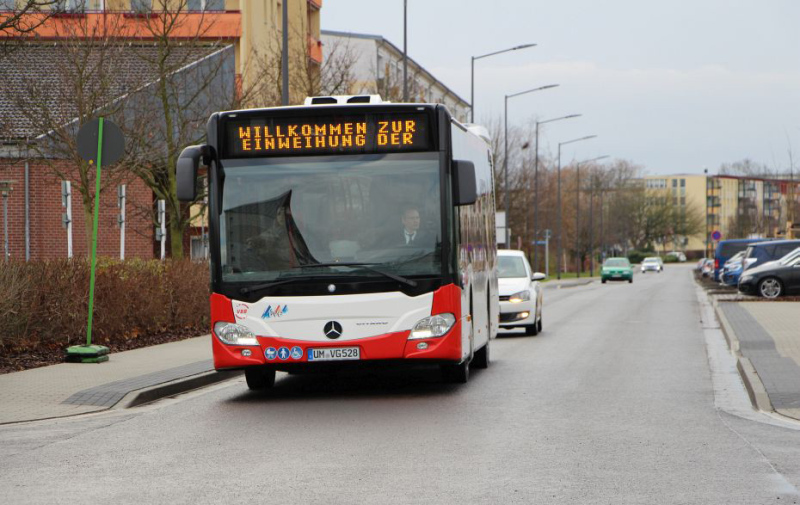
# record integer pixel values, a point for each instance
(510, 267)
(651, 260)
(792, 257)
(616, 262)
(285, 214)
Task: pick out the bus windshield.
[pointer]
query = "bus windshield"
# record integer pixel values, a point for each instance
(286, 217)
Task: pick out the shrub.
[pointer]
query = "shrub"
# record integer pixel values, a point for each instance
(670, 259)
(45, 303)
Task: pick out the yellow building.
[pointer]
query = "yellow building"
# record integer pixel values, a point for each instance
(688, 192)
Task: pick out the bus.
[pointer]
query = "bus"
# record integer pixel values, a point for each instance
(347, 232)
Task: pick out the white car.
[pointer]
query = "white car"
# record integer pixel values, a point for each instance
(520, 292)
(652, 264)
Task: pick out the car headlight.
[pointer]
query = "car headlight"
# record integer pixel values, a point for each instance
(234, 334)
(522, 296)
(433, 326)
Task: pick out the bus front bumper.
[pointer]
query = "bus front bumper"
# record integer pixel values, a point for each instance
(390, 346)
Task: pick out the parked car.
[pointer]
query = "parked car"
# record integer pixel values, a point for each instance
(678, 255)
(652, 264)
(727, 248)
(772, 279)
(520, 292)
(761, 253)
(732, 270)
(707, 269)
(616, 269)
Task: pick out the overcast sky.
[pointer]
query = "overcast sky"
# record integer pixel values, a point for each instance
(674, 86)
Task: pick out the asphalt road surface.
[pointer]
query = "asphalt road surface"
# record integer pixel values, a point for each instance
(613, 403)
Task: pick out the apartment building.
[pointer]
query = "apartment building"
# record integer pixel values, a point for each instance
(735, 206)
(377, 68)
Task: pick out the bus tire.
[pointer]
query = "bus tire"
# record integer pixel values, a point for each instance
(259, 379)
(456, 374)
(482, 357)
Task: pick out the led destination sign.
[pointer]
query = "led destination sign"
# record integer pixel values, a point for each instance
(352, 134)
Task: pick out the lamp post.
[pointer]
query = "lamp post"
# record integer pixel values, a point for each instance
(285, 54)
(578, 213)
(536, 186)
(705, 171)
(505, 155)
(472, 75)
(405, 51)
(558, 242)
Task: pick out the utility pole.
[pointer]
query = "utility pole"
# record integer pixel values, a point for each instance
(285, 55)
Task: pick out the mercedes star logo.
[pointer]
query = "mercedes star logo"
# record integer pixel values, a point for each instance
(332, 330)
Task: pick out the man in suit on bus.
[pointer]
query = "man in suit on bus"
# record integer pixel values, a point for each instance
(411, 235)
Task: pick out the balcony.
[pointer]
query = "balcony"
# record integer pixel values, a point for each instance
(315, 50)
(193, 25)
(315, 4)
(712, 201)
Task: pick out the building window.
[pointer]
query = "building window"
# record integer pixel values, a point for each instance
(141, 5)
(683, 183)
(62, 5)
(8, 5)
(683, 200)
(206, 5)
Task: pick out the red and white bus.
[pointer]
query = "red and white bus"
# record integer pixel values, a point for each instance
(347, 231)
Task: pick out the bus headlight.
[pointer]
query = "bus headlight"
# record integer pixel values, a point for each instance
(433, 326)
(234, 334)
(522, 296)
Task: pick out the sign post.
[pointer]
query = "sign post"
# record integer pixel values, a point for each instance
(95, 149)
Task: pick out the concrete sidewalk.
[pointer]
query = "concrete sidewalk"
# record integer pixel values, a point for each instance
(128, 378)
(767, 335)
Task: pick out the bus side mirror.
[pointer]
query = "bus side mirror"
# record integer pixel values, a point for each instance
(465, 187)
(186, 173)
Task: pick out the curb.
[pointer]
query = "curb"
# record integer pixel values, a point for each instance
(172, 388)
(752, 382)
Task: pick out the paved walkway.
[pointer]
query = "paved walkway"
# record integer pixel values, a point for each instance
(769, 336)
(75, 388)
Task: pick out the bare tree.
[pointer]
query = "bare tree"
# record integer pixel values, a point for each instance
(191, 77)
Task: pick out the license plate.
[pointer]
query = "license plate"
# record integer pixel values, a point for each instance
(617, 275)
(334, 354)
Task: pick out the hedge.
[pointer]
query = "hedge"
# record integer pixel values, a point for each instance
(45, 303)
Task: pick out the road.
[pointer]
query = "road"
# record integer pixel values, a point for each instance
(613, 403)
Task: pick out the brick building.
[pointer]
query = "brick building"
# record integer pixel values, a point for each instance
(34, 162)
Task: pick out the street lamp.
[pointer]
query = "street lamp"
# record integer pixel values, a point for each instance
(578, 212)
(405, 51)
(472, 76)
(505, 156)
(536, 186)
(558, 243)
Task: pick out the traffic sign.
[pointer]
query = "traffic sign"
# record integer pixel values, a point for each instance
(716, 235)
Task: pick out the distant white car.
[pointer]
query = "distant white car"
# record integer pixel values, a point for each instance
(677, 254)
(652, 264)
(520, 292)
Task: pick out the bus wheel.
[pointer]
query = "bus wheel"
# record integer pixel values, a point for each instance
(458, 374)
(482, 358)
(259, 379)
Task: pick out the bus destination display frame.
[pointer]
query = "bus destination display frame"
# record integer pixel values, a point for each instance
(341, 131)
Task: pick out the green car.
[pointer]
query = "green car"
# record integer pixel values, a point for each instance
(616, 269)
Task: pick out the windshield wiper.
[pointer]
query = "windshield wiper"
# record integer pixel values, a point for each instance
(259, 287)
(366, 266)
